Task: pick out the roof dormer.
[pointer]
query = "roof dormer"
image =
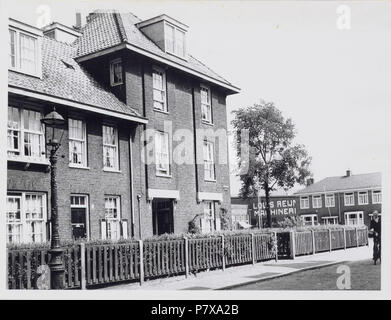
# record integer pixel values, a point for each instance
(61, 32)
(167, 33)
(25, 48)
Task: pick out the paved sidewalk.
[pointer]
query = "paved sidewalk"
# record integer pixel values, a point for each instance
(235, 276)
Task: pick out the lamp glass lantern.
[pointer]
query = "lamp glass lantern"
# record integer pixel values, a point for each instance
(55, 122)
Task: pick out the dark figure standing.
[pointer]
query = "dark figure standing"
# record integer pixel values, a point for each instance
(375, 229)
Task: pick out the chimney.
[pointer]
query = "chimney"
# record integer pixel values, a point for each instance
(310, 181)
(348, 173)
(77, 25)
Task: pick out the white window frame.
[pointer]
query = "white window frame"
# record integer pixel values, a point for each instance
(162, 90)
(25, 224)
(346, 196)
(330, 200)
(108, 146)
(365, 194)
(359, 218)
(174, 41)
(307, 201)
(332, 218)
(314, 219)
(162, 160)
(82, 206)
(209, 162)
(18, 52)
(210, 215)
(22, 131)
(114, 62)
(113, 223)
(315, 202)
(376, 196)
(82, 141)
(206, 106)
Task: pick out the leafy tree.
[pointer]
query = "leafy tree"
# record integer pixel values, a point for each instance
(274, 160)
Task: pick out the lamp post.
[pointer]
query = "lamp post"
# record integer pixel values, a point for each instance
(56, 122)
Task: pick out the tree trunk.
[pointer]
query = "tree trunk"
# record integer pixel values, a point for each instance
(267, 200)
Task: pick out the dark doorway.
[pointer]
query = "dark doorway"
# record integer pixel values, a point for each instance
(162, 216)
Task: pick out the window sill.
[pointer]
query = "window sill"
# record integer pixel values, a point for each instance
(363, 204)
(44, 161)
(116, 84)
(74, 166)
(160, 175)
(161, 111)
(207, 123)
(210, 180)
(111, 170)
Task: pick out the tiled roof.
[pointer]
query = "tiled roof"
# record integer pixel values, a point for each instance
(357, 181)
(70, 82)
(108, 29)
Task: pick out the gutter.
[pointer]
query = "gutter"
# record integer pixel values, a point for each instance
(74, 104)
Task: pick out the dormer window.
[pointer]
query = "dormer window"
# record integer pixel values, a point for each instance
(175, 40)
(116, 72)
(24, 50)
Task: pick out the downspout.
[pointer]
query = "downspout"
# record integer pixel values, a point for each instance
(131, 185)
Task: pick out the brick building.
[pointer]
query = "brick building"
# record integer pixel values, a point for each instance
(348, 199)
(126, 87)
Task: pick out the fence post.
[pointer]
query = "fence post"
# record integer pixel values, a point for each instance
(344, 238)
(187, 256)
(276, 245)
(313, 242)
(222, 249)
(83, 282)
(141, 259)
(253, 247)
(292, 244)
(330, 240)
(355, 228)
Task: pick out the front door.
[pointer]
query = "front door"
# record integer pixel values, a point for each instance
(79, 214)
(162, 216)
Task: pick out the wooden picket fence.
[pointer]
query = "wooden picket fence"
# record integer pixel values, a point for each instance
(90, 265)
(24, 272)
(315, 241)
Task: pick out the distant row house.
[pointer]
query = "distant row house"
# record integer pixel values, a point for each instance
(349, 200)
(112, 79)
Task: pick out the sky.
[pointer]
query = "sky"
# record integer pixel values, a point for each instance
(334, 83)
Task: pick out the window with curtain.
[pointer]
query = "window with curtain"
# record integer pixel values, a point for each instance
(77, 143)
(159, 90)
(206, 107)
(110, 147)
(26, 217)
(25, 135)
(209, 166)
(162, 155)
(116, 72)
(112, 217)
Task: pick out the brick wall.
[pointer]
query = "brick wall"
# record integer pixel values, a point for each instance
(93, 182)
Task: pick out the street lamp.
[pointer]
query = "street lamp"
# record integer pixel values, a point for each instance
(55, 122)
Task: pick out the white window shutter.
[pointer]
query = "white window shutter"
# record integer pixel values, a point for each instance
(218, 224)
(103, 229)
(124, 225)
(204, 227)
